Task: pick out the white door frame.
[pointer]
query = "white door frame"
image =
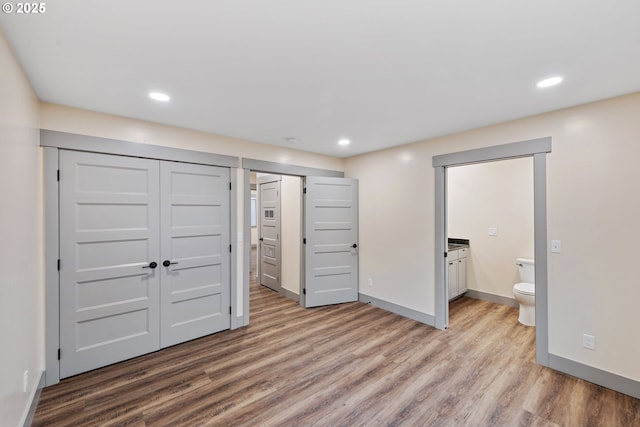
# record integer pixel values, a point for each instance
(252, 165)
(536, 148)
(52, 142)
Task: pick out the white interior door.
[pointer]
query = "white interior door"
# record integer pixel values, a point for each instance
(331, 233)
(109, 292)
(195, 251)
(270, 259)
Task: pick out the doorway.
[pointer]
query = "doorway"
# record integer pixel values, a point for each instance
(489, 225)
(326, 215)
(536, 148)
(278, 231)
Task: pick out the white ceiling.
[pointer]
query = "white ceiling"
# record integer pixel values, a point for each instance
(379, 72)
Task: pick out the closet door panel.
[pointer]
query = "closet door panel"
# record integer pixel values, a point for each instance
(195, 272)
(109, 225)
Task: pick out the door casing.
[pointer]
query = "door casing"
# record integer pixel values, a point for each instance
(52, 142)
(253, 165)
(536, 148)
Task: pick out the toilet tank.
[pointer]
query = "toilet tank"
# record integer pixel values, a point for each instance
(527, 270)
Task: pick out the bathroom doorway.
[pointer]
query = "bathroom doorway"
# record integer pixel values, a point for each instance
(489, 224)
(536, 149)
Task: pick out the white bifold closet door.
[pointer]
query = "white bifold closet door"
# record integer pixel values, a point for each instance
(121, 219)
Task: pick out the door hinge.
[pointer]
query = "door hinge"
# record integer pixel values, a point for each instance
(445, 254)
(58, 175)
(304, 190)
(58, 264)
(229, 309)
(229, 186)
(229, 248)
(304, 240)
(59, 354)
(304, 291)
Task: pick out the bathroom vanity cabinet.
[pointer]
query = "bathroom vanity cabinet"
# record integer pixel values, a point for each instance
(457, 268)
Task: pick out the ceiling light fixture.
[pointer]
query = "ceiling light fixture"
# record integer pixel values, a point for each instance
(158, 96)
(344, 142)
(291, 139)
(551, 81)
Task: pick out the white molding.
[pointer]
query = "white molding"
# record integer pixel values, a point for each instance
(287, 169)
(498, 299)
(290, 294)
(504, 151)
(34, 399)
(94, 144)
(597, 376)
(409, 313)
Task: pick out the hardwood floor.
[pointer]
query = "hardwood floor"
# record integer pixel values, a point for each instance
(345, 365)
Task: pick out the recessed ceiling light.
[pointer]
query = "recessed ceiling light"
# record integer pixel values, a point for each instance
(344, 142)
(291, 139)
(551, 81)
(158, 96)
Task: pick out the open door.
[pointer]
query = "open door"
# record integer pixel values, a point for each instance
(331, 241)
(269, 230)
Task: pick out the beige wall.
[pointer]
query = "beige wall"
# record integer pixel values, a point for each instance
(494, 194)
(593, 196)
(73, 120)
(291, 188)
(21, 250)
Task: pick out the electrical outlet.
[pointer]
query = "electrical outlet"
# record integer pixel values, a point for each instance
(556, 246)
(370, 282)
(589, 341)
(25, 381)
(493, 231)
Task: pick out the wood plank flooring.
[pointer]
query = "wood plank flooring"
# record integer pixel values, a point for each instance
(345, 365)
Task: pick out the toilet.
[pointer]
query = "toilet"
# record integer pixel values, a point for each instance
(525, 291)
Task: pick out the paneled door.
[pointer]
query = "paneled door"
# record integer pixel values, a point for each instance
(331, 234)
(195, 266)
(109, 252)
(269, 211)
(144, 256)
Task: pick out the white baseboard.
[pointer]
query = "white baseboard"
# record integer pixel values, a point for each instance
(410, 313)
(498, 299)
(290, 294)
(597, 376)
(34, 398)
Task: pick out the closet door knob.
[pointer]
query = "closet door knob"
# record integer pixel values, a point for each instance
(354, 246)
(151, 265)
(167, 263)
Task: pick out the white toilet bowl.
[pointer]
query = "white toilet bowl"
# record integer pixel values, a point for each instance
(525, 294)
(525, 291)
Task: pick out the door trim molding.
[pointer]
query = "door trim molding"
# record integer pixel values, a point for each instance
(287, 169)
(52, 142)
(51, 273)
(94, 144)
(536, 148)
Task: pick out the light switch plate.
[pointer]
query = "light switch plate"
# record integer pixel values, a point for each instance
(493, 231)
(556, 246)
